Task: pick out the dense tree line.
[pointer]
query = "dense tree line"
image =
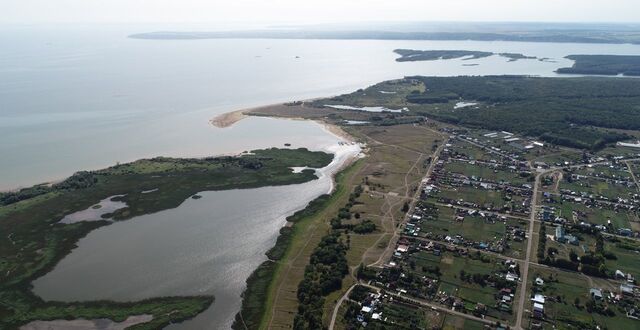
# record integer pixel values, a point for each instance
(323, 275)
(79, 180)
(629, 65)
(557, 110)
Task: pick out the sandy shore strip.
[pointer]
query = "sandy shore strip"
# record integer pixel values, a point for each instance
(228, 119)
(335, 130)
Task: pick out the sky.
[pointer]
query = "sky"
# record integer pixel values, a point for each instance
(314, 11)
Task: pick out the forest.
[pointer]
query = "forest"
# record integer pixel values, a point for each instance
(627, 65)
(574, 112)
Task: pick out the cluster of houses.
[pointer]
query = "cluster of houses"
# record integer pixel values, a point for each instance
(624, 203)
(426, 212)
(371, 308)
(624, 182)
(628, 296)
(498, 244)
(510, 192)
(505, 142)
(549, 214)
(608, 175)
(406, 246)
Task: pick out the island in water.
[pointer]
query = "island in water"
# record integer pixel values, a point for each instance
(411, 55)
(42, 224)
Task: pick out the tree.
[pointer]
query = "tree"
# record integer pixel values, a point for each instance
(590, 306)
(405, 207)
(599, 245)
(573, 256)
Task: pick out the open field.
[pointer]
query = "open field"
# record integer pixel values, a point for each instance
(627, 253)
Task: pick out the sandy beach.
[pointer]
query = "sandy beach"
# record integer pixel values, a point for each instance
(281, 111)
(227, 119)
(345, 153)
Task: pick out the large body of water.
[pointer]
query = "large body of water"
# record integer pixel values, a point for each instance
(84, 99)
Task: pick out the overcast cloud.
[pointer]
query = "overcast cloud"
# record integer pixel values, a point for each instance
(314, 11)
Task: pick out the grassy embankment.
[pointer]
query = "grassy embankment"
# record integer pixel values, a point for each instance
(36, 240)
(293, 246)
(272, 300)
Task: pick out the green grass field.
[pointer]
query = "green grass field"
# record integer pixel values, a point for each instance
(627, 258)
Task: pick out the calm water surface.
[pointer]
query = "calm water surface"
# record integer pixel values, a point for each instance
(205, 246)
(83, 99)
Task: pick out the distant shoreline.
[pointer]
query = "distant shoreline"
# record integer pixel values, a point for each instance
(534, 36)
